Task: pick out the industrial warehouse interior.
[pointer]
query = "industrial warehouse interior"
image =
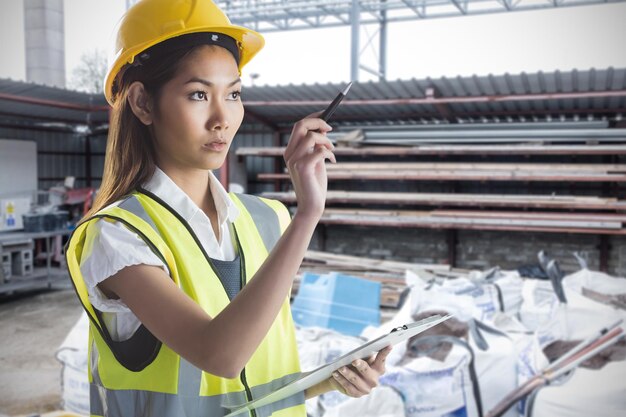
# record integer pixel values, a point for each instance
(470, 213)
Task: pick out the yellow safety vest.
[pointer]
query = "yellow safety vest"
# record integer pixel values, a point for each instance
(155, 381)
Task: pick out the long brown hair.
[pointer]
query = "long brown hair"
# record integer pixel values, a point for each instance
(130, 155)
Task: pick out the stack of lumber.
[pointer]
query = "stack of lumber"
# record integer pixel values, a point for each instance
(567, 212)
(575, 220)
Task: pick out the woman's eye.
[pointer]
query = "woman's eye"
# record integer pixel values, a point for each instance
(198, 95)
(235, 95)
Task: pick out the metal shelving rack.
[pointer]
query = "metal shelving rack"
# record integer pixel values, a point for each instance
(40, 277)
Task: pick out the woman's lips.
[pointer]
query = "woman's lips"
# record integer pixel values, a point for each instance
(215, 146)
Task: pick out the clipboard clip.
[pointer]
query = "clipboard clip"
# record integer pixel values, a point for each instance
(425, 322)
(399, 328)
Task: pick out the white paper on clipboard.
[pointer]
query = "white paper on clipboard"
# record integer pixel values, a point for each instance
(311, 378)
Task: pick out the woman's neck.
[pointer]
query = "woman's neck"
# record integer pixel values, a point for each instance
(194, 183)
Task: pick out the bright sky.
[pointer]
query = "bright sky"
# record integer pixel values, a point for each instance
(565, 38)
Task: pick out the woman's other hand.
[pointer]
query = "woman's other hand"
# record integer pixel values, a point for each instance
(362, 376)
(305, 154)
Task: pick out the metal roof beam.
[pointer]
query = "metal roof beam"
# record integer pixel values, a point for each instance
(276, 14)
(462, 8)
(413, 7)
(506, 4)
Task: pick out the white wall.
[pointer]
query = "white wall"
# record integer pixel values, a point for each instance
(18, 167)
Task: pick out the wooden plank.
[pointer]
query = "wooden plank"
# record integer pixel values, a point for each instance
(403, 222)
(457, 176)
(530, 215)
(379, 264)
(464, 166)
(454, 150)
(378, 197)
(471, 200)
(425, 217)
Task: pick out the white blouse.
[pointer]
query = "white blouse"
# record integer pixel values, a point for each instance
(115, 247)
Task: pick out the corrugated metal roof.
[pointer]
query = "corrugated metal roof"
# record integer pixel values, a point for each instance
(597, 94)
(480, 87)
(29, 110)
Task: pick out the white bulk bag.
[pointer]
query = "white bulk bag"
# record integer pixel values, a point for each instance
(382, 401)
(73, 356)
(539, 303)
(509, 284)
(432, 388)
(317, 346)
(587, 392)
(584, 392)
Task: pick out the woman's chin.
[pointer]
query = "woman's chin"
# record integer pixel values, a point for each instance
(211, 163)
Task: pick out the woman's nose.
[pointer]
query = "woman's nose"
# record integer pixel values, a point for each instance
(218, 119)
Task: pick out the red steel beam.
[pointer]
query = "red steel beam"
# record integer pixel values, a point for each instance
(414, 115)
(446, 100)
(424, 100)
(52, 103)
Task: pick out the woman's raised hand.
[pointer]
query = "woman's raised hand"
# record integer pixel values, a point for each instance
(362, 376)
(305, 154)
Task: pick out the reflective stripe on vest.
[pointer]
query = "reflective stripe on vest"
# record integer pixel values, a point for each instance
(169, 385)
(122, 403)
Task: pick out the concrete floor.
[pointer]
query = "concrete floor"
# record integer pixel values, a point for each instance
(32, 326)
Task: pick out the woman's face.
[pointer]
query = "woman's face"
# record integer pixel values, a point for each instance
(199, 111)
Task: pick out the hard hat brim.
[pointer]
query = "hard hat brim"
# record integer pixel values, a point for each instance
(250, 43)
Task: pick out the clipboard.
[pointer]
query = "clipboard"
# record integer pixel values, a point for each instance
(311, 378)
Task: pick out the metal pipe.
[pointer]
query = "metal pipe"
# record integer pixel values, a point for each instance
(354, 46)
(382, 44)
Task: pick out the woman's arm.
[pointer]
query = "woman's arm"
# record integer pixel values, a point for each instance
(222, 345)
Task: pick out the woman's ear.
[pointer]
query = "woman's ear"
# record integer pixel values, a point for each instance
(140, 102)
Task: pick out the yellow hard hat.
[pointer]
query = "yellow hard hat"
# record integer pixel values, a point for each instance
(150, 22)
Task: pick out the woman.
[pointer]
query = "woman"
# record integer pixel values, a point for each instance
(187, 286)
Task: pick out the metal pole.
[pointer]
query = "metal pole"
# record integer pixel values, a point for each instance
(354, 56)
(382, 48)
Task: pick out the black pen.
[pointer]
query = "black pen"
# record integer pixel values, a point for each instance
(333, 106)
